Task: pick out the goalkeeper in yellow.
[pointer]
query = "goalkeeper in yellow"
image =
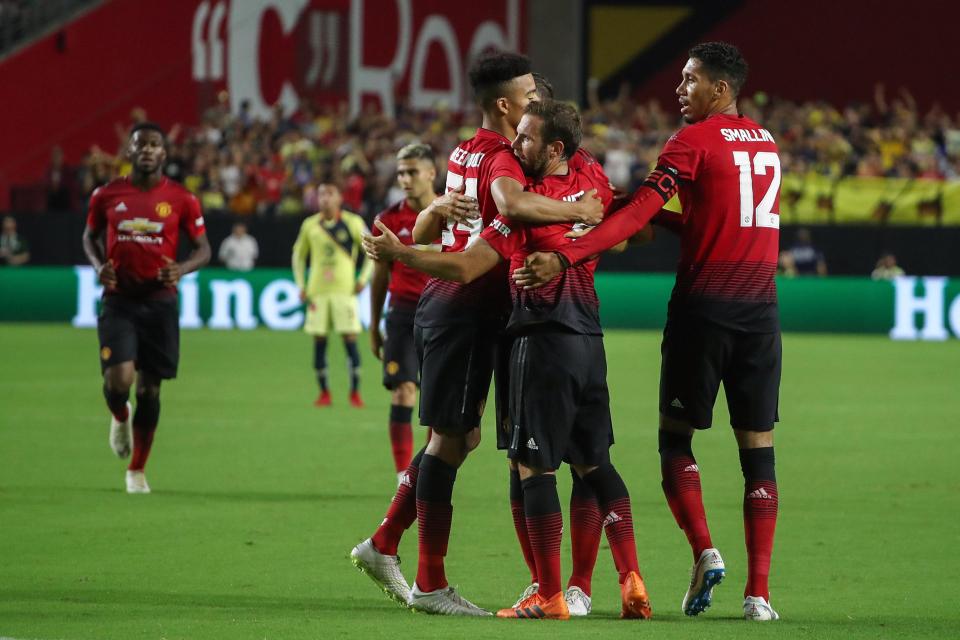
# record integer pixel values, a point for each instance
(331, 239)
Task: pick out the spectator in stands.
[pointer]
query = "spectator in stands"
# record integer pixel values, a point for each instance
(786, 267)
(887, 268)
(14, 250)
(807, 259)
(60, 183)
(239, 250)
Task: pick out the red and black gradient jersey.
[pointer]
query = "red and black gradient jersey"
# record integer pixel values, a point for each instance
(143, 228)
(727, 172)
(570, 300)
(406, 284)
(475, 164)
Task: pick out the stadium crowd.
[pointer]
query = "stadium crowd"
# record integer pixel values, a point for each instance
(253, 166)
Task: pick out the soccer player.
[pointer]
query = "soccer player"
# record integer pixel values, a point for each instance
(457, 329)
(133, 229)
(338, 272)
(559, 404)
(416, 173)
(722, 320)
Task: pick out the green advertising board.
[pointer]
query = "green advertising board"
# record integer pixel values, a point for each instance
(909, 308)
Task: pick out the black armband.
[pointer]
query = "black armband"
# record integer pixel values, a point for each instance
(663, 180)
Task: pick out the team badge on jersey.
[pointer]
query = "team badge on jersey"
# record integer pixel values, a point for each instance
(164, 209)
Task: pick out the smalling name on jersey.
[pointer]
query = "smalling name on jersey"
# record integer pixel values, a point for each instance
(746, 135)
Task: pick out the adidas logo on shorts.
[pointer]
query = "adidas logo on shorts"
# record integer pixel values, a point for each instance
(532, 445)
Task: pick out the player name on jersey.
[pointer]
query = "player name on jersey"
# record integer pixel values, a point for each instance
(746, 135)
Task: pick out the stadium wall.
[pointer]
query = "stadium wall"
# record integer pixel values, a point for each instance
(176, 57)
(907, 309)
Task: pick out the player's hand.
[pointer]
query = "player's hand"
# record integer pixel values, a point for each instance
(169, 274)
(303, 295)
(538, 269)
(578, 233)
(454, 205)
(382, 248)
(107, 274)
(589, 208)
(376, 342)
(357, 288)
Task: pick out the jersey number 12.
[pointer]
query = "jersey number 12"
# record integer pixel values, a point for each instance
(762, 216)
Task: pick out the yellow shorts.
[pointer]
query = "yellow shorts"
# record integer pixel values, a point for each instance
(338, 312)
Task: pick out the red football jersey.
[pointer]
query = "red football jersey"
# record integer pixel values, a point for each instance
(569, 300)
(406, 284)
(475, 164)
(727, 172)
(143, 228)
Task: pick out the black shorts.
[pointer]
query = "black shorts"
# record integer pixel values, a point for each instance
(456, 364)
(145, 331)
(400, 362)
(698, 355)
(559, 402)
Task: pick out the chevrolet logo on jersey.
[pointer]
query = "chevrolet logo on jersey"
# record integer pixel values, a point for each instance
(140, 225)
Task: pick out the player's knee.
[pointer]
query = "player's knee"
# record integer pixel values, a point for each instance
(747, 439)
(583, 469)
(527, 472)
(119, 378)
(471, 441)
(405, 394)
(673, 425)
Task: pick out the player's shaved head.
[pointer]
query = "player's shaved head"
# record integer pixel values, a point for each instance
(544, 86)
(722, 61)
(491, 74)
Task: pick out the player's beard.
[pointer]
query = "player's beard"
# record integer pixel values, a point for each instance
(537, 165)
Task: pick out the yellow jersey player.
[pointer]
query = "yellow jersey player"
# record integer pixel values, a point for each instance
(331, 239)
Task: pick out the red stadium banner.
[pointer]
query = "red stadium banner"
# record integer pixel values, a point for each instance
(174, 57)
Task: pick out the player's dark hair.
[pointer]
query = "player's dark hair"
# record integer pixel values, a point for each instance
(722, 61)
(561, 121)
(416, 151)
(149, 126)
(490, 74)
(544, 86)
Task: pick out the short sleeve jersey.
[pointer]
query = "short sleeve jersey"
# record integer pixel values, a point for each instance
(475, 164)
(728, 175)
(406, 284)
(569, 301)
(143, 230)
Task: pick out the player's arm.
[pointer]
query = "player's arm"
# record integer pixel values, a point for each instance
(298, 261)
(464, 266)
(532, 208)
(645, 203)
(172, 271)
(191, 222)
(379, 282)
(364, 265)
(669, 220)
(453, 205)
(94, 244)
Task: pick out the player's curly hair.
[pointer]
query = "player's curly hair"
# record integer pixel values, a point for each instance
(561, 121)
(722, 61)
(149, 126)
(490, 74)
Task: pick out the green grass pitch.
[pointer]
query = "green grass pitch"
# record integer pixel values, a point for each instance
(259, 496)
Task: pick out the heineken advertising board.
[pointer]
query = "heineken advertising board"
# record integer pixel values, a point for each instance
(909, 308)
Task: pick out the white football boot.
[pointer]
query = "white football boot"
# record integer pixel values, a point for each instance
(756, 608)
(577, 602)
(444, 602)
(382, 569)
(704, 576)
(121, 434)
(137, 482)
